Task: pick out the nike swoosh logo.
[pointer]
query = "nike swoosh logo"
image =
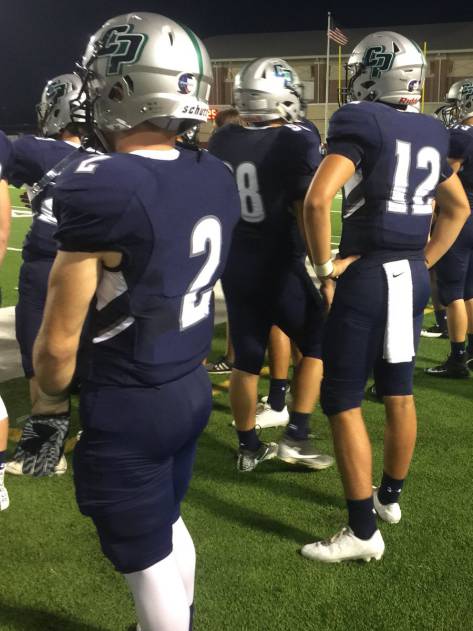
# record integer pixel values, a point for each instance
(396, 275)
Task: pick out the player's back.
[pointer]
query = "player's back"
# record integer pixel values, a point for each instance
(171, 214)
(461, 147)
(400, 158)
(273, 167)
(32, 158)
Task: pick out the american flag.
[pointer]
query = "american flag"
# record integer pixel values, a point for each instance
(337, 35)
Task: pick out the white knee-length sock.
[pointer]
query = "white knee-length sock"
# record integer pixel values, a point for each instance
(160, 597)
(184, 554)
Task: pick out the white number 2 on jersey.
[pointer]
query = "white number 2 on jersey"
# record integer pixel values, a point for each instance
(206, 237)
(428, 158)
(89, 165)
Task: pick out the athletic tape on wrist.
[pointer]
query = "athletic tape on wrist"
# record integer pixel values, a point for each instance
(325, 269)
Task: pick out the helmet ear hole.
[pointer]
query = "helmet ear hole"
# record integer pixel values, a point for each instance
(116, 93)
(367, 84)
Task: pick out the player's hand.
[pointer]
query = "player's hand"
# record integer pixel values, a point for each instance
(25, 199)
(340, 266)
(42, 443)
(327, 289)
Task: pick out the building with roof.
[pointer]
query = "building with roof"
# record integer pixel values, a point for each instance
(449, 55)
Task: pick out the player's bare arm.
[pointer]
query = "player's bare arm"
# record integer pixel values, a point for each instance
(5, 218)
(72, 284)
(454, 210)
(333, 173)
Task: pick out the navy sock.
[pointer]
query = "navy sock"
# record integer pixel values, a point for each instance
(249, 439)
(3, 457)
(277, 394)
(470, 343)
(441, 319)
(362, 517)
(298, 427)
(458, 351)
(191, 610)
(390, 489)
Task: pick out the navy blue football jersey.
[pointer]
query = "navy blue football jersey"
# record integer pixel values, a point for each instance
(400, 158)
(171, 214)
(461, 148)
(273, 167)
(5, 155)
(32, 158)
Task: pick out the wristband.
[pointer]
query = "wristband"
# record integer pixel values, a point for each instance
(324, 270)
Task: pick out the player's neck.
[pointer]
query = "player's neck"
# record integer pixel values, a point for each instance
(134, 140)
(468, 121)
(68, 137)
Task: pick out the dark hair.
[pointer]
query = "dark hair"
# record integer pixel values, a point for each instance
(227, 116)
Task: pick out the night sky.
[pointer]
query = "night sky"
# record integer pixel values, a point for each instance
(43, 38)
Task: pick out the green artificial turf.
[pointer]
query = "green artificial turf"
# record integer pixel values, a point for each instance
(248, 529)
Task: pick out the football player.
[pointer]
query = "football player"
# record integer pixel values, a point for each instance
(265, 282)
(146, 229)
(36, 162)
(455, 269)
(5, 220)
(392, 163)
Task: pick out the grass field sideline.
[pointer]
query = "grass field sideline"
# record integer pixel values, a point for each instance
(248, 531)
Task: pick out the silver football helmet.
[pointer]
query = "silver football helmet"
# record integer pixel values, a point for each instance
(459, 103)
(54, 109)
(465, 100)
(267, 89)
(386, 66)
(146, 67)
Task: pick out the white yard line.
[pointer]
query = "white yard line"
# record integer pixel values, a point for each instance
(14, 249)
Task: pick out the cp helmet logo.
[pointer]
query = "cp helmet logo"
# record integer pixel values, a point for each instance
(55, 91)
(378, 60)
(121, 46)
(285, 74)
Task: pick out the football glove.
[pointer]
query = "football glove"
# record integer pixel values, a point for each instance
(42, 443)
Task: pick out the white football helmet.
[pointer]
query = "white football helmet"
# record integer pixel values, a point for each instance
(386, 66)
(146, 67)
(267, 89)
(54, 109)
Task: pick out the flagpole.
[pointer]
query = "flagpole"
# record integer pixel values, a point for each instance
(327, 75)
(339, 72)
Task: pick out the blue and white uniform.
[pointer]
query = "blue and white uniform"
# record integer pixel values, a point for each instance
(400, 158)
(147, 397)
(32, 158)
(265, 281)
(455, 268)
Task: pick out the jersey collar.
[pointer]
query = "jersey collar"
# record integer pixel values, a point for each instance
(157, 154)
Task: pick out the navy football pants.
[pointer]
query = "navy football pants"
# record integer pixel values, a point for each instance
(353, 341)
(262, 291)
(455, 268)
(32, 290)
(133, 463)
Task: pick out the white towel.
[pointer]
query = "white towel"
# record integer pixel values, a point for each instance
(399, 333)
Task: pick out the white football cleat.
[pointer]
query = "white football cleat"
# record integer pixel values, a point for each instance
(388, 512)
(4, 499)
(344, 546)
(303, 452)
(267, 417)
(15, 467)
